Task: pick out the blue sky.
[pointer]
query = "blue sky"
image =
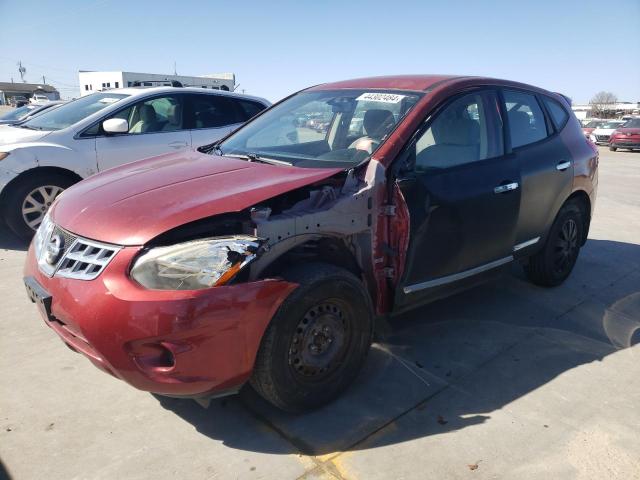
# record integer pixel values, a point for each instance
(277, 47)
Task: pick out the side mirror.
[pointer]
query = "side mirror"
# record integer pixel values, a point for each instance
(115, 125)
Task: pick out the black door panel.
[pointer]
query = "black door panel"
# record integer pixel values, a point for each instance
(458, 221)
(463, 198)
(545, 165)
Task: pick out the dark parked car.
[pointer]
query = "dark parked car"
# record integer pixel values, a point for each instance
(627, 136)
(18, 101)
(263, 259)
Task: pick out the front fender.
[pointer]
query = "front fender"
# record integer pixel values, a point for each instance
(26, 156)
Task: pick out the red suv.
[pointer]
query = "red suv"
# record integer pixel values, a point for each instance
(627, 136)
(263, 259)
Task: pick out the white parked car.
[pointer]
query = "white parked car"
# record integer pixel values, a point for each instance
(41, 157)
(38, 98)
(600, 136)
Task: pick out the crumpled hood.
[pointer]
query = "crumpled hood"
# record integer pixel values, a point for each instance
(131, 204)
(10, 135)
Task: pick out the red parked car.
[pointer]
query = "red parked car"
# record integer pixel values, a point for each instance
(264, 258)
(591, 126)
(627, 136)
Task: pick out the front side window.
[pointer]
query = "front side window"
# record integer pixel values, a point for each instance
(632, 123)
(161, 114)
(526, 120)
(466, 131)
(74, 111)
(325, 128)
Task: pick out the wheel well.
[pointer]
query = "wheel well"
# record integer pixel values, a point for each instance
(39, 171)
(583, 201)
(325, 250)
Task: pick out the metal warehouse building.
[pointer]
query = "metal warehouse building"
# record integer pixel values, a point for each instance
(91, 81)
(14, 89)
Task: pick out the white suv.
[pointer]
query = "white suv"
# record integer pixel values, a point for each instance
(43, 156)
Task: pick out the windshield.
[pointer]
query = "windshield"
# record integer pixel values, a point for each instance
(593, 124)
(632, 123)
(331, 128)
(18, 113)
(72, 112)
(610, 125)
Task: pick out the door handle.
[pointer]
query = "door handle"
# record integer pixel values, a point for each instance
(562, 166)
(178, 144)
(506, 187)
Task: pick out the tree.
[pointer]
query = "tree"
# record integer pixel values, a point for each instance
(603, 103)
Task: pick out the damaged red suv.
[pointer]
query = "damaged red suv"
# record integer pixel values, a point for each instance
(263, 259)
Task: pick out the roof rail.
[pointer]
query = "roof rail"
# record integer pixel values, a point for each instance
(174, 83)
(568, 99)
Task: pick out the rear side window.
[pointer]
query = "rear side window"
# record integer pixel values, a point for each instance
(249, 109)
(213, 111)
(557, 112)
(526, 120)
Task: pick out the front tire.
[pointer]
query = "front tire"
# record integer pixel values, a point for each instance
(613, 149)
(552, 265)
(29, 199)
(318, 340)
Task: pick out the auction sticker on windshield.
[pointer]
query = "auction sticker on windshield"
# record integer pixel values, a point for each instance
(380, 97)
(109, 100)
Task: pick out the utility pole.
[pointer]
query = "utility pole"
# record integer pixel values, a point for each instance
(175, 72)
(44, 80)
(22, 71)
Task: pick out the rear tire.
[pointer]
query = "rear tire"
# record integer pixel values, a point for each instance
(28, 200)
(613, 149)
(552, 265)
(318, 340)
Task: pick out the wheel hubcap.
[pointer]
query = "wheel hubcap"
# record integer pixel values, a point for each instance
(566, 246)
(318, 343)
(37, 203)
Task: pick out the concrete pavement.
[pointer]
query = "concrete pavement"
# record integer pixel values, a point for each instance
(507, 380)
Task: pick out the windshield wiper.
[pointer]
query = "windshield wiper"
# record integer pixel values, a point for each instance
(27, 126)
(254, 157)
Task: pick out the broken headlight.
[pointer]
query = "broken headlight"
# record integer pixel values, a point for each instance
(195, 265)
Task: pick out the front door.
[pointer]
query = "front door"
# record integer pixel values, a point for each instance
(156, 126)
(463, 197)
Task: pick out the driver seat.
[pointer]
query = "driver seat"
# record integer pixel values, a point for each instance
(377, 123)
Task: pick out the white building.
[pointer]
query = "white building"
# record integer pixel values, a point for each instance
(91, 82)
(584, 110)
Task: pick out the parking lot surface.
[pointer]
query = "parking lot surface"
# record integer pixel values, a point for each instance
(507, 380)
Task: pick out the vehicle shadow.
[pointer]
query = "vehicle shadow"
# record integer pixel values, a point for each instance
(449, 365)
(9, 241)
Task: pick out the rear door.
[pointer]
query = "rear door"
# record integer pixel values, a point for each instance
(463, 197)
(544, 160)
(156, 126)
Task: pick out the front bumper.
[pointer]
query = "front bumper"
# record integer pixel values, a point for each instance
(624, 142)
(181, 343)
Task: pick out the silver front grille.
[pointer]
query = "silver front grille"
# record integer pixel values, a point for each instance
(70, 256)
(85, 259)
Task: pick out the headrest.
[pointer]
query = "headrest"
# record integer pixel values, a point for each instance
(457, 131)
(147, 113)
(378, 122)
